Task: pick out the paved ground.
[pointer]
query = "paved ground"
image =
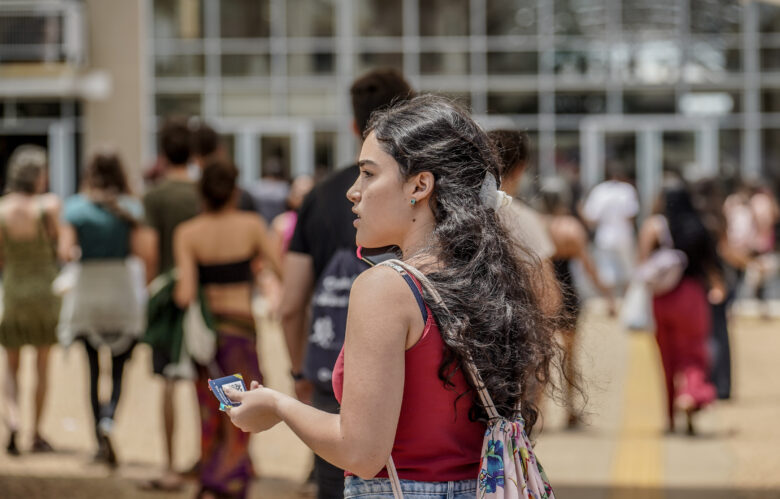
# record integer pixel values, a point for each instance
(621, 453)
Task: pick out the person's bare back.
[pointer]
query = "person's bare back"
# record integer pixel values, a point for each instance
(223, 238)
(20, 214)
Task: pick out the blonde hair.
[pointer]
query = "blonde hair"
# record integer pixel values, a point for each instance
(26, 165)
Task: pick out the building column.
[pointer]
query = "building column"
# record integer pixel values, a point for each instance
(116, 45)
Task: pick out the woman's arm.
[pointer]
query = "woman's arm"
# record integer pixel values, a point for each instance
(143, 244)
(186, 267)
(68, 243)
(360, 438)
(267, 246)
(648, 238)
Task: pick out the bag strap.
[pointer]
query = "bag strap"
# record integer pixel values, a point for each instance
(415, 289)
(484, 396)
(395, 483)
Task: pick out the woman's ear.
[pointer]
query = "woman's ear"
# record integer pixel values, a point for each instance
(422, 185)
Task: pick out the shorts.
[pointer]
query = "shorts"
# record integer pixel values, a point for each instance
(380, 488)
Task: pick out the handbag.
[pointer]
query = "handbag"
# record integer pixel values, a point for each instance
(635, 310)
(200, 340)
(508, 466)
(664, 269)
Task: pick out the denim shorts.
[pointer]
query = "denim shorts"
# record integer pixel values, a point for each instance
(380, 488)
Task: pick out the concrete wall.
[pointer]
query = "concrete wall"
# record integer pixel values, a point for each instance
(116, 39)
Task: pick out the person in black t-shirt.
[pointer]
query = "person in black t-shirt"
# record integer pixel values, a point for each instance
(325, 220)
(325, 226)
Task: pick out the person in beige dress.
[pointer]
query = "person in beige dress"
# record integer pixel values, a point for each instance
(28, 236)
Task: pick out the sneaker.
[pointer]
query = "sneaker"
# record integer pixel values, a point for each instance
(105, 453)
(105, 427)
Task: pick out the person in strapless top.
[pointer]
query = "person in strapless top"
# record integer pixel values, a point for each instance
(216, 251)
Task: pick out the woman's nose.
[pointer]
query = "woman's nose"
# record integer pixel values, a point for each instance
(353, 194)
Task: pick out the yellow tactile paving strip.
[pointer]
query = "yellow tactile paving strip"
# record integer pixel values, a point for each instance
(638, 460)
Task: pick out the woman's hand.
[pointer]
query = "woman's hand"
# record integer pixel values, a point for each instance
(257, 411)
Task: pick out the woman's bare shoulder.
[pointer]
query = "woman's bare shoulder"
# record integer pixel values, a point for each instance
(189, 227)
(381, 281)
(251, 218)
(50, 202)
(568, 229)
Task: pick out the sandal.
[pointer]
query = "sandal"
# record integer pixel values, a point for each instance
(12, 449)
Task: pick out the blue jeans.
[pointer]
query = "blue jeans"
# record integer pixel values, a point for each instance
(380, 488)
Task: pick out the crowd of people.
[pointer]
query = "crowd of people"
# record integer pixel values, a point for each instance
(398, 370)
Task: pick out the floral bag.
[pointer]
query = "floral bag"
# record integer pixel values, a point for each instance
(508, 468)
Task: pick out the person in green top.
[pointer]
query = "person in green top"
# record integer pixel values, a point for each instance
(28, 238)
(174, 200)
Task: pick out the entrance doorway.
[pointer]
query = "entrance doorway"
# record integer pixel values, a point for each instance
(259, 146)
(645, 146)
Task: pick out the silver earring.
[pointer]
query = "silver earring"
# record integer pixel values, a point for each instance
(413, 201)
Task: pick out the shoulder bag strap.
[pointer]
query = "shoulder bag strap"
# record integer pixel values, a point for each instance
(470, 367)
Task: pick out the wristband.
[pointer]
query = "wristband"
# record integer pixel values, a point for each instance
(296, 376)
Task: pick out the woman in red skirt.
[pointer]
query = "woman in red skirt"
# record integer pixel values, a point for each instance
(682, 314)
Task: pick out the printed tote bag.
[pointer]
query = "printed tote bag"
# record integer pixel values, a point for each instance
(508, 468)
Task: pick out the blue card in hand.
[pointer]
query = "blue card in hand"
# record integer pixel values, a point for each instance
(217, 386)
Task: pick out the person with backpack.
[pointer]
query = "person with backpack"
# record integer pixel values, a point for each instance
(441, 343)
(319, 268)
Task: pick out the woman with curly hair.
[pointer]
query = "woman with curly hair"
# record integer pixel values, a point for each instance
(427, 186)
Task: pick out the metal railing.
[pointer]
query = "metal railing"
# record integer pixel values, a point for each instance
(42, 31)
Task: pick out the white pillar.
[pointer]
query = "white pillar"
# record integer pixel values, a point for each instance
(62, 159)
(302, 155)
(247, 153)
(649, 167)
(707, 152)
(592, 154)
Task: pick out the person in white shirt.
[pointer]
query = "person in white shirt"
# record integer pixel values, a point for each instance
(611, 207)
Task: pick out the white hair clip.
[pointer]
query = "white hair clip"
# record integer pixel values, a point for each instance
(491, 196)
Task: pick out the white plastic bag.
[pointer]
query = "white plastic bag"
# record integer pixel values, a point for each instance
(199, 340)
(635, 313)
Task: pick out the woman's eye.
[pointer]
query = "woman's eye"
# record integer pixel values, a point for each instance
(367, 173)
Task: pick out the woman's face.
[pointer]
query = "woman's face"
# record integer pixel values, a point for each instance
(381, 198)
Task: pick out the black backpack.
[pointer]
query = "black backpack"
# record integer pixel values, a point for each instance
(329, 305)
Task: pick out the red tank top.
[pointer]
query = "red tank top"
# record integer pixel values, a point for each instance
(435, 441)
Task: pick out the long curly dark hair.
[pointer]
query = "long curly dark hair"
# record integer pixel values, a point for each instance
(488, 282)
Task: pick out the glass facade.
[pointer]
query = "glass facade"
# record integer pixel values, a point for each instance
(562, 69)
